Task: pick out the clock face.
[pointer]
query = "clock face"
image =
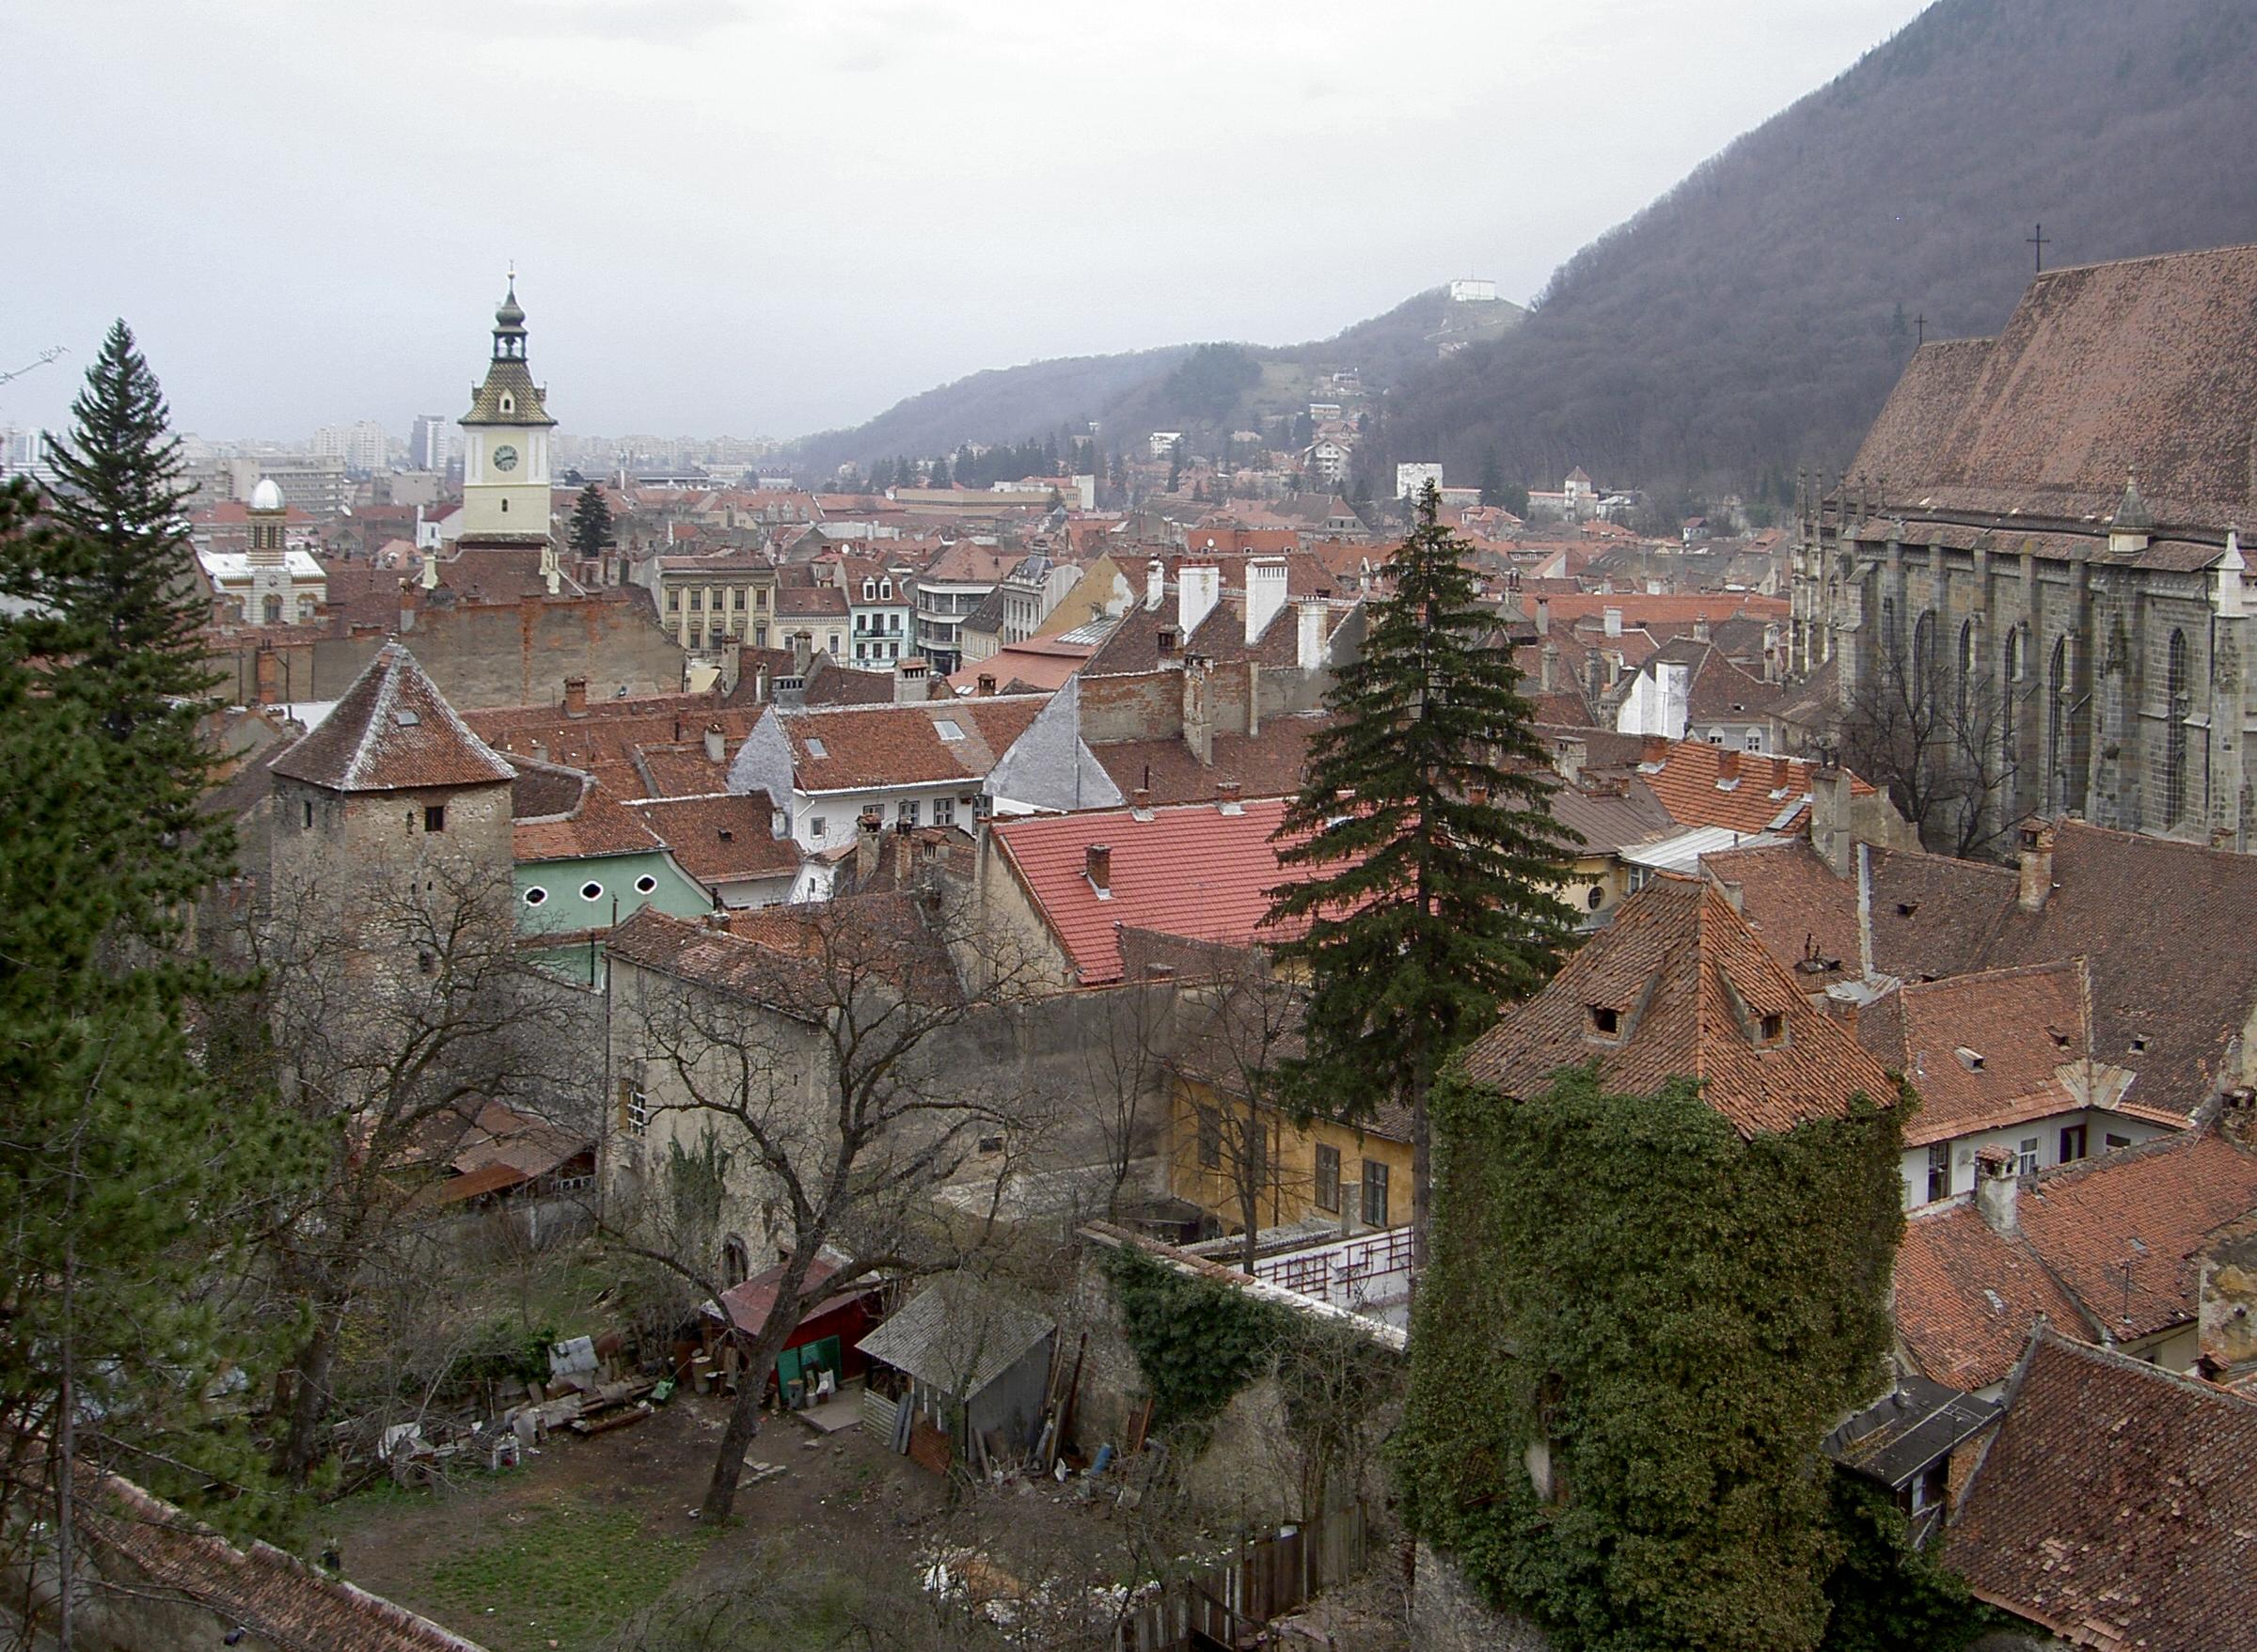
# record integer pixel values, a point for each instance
(505, 457)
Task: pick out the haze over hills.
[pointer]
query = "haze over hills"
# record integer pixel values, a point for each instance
(1195, 387)
(1755, 316)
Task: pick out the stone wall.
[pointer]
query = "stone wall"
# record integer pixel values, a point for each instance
(483, 656)
(1447, 1616)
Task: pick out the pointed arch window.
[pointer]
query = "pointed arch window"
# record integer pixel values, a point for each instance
(2178, 704)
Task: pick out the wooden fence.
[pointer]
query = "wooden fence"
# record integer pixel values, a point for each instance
(1225, 1605)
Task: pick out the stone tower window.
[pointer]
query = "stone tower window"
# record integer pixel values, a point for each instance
(435, 817)
(2178, 704)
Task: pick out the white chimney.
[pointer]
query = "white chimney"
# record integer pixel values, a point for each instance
(1308, 652)
(431, 570)
(1998, 1181)
(1613, 622)
(1155, 582)
(1265, 594)
(715, 744)
(1197, 591)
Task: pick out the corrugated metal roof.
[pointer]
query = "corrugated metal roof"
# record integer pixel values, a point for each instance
(957, 1335)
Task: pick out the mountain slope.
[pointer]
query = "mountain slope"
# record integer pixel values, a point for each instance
(1199, 388)
(1757, 314)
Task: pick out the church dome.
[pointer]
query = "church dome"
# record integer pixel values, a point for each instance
(267, 496)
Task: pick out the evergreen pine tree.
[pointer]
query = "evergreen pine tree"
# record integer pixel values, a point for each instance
(1492, 478)
(590, 524)
(1428, 852)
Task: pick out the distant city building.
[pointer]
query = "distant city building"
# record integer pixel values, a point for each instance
(361, 446)
(1410, 480)
(313, 484)
(269, 582)
(25, 453)
(1472, 292)
(428, 442)
(1163, 443)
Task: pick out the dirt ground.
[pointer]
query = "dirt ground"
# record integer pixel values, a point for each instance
(593, 1532)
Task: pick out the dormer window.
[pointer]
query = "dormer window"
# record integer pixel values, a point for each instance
(1969, 1058)
(1771, 1029)
(1603, 1020)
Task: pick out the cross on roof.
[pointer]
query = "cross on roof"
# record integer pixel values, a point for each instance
(2038, 240)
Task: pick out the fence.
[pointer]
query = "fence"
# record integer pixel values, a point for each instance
(1226, 1603)
(1347, 1273)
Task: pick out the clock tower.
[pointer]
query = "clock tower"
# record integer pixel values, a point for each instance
(505, 440)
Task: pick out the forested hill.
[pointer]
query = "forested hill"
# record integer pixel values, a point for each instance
(1198, 389)
(1757, 314)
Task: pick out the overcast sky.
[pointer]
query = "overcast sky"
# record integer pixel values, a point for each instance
(770, 216)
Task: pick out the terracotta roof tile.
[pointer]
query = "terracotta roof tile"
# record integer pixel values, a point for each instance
(1680, 986)
(721, 838)
(1193, 871)
(1987, 1050)
(904, 745)
(1701, 785)
(393, 731)
(2102, 369)
(2115, 1505)
(1965, 1297)
(2120, 1231)
(1268, 765)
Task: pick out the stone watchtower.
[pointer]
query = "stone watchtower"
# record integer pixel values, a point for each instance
(389, 807)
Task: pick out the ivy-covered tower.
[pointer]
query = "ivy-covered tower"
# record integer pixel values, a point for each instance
(1666, 1206)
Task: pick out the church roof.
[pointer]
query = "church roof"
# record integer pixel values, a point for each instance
(393, 730)
(2146, 365)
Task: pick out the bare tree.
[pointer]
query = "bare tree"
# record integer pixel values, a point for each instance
(834, 1056)
(1243, 1022)
(1126, 1072)
(398, 1018)
(1937, 728)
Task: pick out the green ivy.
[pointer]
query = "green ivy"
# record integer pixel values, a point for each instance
(1887, 1595)
(1197, 1341)
(1679, 1315)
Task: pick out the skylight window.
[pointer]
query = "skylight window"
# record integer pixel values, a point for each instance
(405, 718)
(815, 747)
(948, 727)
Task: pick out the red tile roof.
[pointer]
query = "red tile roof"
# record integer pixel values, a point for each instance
(721, 839)
(1704, 785)
(2115, 1506)
(2121, 1231)
(1965, 1297)
(904, 745)
(2018, 1029)
(1193, 871)
(393, 731)
(1685, 988)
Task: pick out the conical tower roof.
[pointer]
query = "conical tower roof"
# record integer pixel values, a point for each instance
(393, 730)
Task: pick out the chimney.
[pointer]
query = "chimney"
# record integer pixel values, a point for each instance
(1198, 714)
(1309, 646)
(1547, 665)
(1226, 798)
(804, 653)
(913, 682)
(267, 674)
(575, 697)
(2035, 861)
(1253, 699)
(1997, 1187)
(1265, 594)
(733, 663)
(540, 752)
(1830, 833)
(1568, 757)
(1141, 803)
(717, 748)
(1700, 628)
(1655, 750)
(430, 568)
(1098, 865)
(760, 684)
(1543, 615)
(1197, 591)
(1727, 764)
(866, 842)
(2237, 1117)
(552, 576)
(1155, 582)
(1779, 775)
(1613, 622)
(986, 686)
